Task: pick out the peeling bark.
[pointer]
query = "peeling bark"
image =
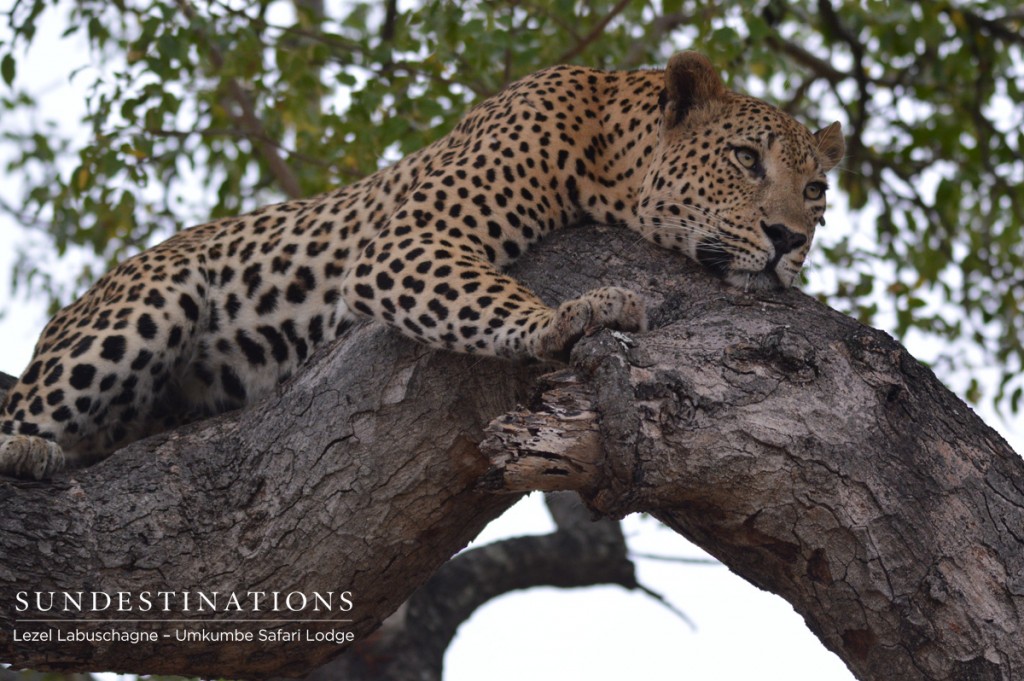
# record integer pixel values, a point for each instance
(809, 453)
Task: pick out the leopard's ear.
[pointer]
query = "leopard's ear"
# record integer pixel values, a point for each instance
(831, 145)
(690, 80)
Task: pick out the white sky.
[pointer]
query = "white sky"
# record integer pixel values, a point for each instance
(602, 633)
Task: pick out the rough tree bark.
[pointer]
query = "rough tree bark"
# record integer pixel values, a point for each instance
(809, 453)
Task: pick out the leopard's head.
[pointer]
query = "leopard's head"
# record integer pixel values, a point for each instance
(735, 183)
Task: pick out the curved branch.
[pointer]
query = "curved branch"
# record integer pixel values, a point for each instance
(412, 643)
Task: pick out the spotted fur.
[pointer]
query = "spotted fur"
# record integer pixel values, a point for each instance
(220, 313)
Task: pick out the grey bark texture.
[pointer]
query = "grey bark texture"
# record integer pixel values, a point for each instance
(809, 453)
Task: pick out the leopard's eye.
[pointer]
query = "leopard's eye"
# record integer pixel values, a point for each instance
(814, 191)
(747, 157)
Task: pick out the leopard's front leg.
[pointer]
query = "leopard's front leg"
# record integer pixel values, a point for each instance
(608, 307)
(445, 292)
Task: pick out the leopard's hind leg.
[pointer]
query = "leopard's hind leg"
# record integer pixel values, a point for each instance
(103, 365)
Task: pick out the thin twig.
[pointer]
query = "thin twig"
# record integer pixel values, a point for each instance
(675, 559)
(671, 608)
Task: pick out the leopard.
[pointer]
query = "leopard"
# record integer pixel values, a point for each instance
(219, 314)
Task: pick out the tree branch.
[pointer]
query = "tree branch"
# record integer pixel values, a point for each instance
(819, 67)
(247, 119)
(996, 27)
(808, 453)
(230, 504)
(833, 24)
(594, 33)
(337, 169)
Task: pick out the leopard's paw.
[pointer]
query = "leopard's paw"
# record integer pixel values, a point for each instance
(30, 457)
(610, 307)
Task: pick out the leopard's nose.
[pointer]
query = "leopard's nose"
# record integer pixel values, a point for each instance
(783, 238)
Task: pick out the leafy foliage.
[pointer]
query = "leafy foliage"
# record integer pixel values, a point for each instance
(260, 101)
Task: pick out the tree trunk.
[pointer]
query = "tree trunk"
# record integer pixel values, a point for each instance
(809, 453)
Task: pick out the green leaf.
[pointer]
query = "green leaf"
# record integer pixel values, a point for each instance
(7, 69)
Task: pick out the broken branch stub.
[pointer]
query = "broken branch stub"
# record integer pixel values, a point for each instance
(554, 447)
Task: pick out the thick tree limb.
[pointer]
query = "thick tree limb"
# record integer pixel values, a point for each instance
(810, 454)
(356, 477)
